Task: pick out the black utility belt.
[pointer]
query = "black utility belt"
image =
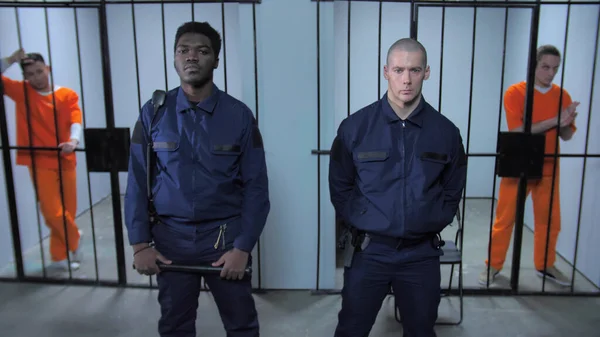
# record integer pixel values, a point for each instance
(396, 243)
(399, 243)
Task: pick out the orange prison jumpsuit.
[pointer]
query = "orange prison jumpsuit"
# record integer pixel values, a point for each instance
(545, 106)
(41, 113)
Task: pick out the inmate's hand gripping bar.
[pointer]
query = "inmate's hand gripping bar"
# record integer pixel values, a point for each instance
(194, 269)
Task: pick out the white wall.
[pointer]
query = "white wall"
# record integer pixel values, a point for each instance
(578, 65)
(63, 54)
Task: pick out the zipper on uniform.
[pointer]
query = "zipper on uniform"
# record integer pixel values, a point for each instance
(221, 237)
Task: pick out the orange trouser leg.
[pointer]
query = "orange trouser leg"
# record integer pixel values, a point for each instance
(541, 195)
(55, 214)
(504, 222)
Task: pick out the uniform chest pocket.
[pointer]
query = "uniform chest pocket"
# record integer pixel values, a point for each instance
(433, 164)
(373, 168)
(225, 156)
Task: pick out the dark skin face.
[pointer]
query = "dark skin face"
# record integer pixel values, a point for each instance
(195, 62)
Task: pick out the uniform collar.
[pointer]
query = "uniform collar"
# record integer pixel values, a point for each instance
(208, 105)
(415, 117)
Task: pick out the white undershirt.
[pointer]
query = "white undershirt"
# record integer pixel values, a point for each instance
(543, 90)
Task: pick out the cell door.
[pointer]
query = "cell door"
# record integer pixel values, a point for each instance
(475, 52)
(73, 40)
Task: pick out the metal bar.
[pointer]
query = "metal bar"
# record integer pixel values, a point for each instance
(111, 2)
(348, 56)
(193, 8)
(224, 45)
(489, 292)
(521, 194)
(491, 4)
(257, 119)
(464, 204)
(566, 155)
(137, 72)
(89, 185)
(443, 33)
(10, 190)
(31, 153)
(470, 4)
(414, 13)
(18, 4)
(58, 154)
(164, 40)
(110, 124)
(379, 52)
(555, 163)
(587, 139)
(492, 204)
(318, 144)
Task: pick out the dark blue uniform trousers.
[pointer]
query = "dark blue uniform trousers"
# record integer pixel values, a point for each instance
(414, 275)
(178, 292)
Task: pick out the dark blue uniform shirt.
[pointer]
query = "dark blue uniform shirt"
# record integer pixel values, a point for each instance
(210, 167)
(397, 178)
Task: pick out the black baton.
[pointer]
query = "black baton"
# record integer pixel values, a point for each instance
(194, 269)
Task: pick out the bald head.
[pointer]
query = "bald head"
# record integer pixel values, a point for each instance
(407, 45)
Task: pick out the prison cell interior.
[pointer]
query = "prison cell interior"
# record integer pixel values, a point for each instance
(301, 83)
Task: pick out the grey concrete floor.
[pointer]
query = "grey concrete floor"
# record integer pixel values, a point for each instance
(44, 310)
(100, 261)
(60, 311)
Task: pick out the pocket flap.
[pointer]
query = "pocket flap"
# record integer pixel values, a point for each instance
(436, 157)
(165, 146)
(226, 149)
(376, 155)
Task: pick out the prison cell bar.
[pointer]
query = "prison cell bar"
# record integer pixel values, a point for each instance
(58, 154)
(110, 124)
(379, 20)
(224, 44)
(257, 122)
(80, 69)
(469, 119)
(31, 153)
(522, 190)
(555, 163)
(137, 73)
(10, 189)
(587, 139)
(318, 145)
(348, 56)
(164, 41)
(494, 176)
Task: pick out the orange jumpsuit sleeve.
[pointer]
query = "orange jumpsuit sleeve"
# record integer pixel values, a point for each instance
(566, 101)
(13, 89)
(514, 105)
(72, 102)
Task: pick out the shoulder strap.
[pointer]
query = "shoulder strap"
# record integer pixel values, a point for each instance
(158, 100)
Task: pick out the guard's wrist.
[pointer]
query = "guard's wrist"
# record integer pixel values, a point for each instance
(141, 249)
(143, 245)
